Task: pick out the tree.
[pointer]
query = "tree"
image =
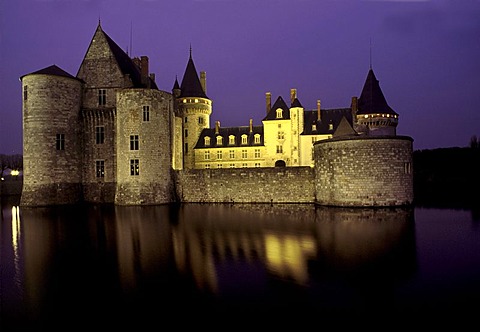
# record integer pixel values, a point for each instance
(474, 142)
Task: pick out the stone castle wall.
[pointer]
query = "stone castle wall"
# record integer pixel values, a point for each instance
(246, 185)
(364, 171)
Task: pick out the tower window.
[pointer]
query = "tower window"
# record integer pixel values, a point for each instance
(60, 142)
(134, 167)
(407, 167)
(186, 132)
(100, 168)
(99, 134)
(25, 92)
(200, 120)
(146, 113)
(102, 97)
(186, 148)
(133, 142)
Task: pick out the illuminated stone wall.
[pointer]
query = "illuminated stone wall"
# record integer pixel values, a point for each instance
(364, 171)
(52, 107)
(153, 184)
(246, 185)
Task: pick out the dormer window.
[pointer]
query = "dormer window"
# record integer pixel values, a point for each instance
(231, 140)
(219, 140)
(314, 127)
(279, 113)
(257, 138)
(244, 139)
(207, 141)
(330, 126)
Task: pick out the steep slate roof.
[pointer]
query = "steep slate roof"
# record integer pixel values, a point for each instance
(226, 132)
(327, 116)
(126, 64)
(52, 70)
(372, 100)
(296, 103)
(272, 114)
(191, 86)
(344, 129)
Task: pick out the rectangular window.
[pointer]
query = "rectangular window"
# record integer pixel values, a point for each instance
(100, 168)
(99, 134)
(232, 154)
(186, 119)
(257, 153)
(102, 97)
(25, 92)
(186, 132)
(133, 142)
(219, 155)
(257, 164)
(207, 155)
(281, 135)
(200, 120)
(244, 154)
(407, 168)
(134, 167)
(279, 149)
(60, 142)
(146, 113)
(186, 148)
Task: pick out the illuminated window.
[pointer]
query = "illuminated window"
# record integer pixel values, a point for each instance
(60, 142)
(219, 154)
(102, 97)
(257, 138)
(231, 140)
(244, 154)
(99, 134)
(257, 153)
(279, 113)
(232, 154)
(25, 92)
(281, 135)
(133, 142)
(330, 126)
(134, 167)
(207, 155)
(279, 149)
(207, 141)
(100, 168)
(314, 127)
(244, 139)
(219, 140)
(146, 113)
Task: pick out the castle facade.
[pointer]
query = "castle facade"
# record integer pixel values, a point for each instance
(109, 135)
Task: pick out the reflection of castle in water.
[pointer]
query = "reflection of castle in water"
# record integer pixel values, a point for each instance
(215, 249)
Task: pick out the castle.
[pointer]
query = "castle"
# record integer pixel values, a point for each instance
(109, 135)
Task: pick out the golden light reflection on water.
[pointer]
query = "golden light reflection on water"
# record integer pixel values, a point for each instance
(16, 232)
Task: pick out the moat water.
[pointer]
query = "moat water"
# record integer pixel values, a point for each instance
(94, 267)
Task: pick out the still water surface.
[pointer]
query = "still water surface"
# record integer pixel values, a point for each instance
(128, 268)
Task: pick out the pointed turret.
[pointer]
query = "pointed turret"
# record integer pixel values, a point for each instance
(373, 112)
(191, 85)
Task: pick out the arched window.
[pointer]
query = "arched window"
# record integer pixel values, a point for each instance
(257, 138)
(207, 141)
(219, 140)
(279, 113)
(231, 140)
(244, 139)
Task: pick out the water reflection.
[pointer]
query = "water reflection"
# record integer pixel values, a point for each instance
(117, 265)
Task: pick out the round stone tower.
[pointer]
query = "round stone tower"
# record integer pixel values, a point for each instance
(364, 171)
(52, 143)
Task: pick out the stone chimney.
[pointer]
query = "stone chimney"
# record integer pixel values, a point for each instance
(269, 101)
(203, 81)
(217, 127)
(354, 108)
(251, 125)
(319, 113)
(144, 68)
(293, 95)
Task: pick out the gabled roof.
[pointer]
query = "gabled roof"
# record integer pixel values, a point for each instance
(191, 86)
(52, 70)
(272, 113)
(225, 132)
(327, 116)
(125, 63)
(372, 100)
(344, 128)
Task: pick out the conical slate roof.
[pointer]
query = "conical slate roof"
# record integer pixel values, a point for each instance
(372, 100)
(52, 70)
(191, 86)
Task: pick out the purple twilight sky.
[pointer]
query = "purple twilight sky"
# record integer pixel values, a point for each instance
(426, 54)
